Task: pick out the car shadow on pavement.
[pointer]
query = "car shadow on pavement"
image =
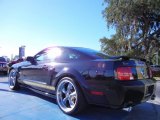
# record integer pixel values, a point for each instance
(90, 113)
(101, 113)
(144, 111)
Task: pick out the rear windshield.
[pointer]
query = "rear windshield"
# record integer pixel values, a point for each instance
(2, 59)
(93, 53)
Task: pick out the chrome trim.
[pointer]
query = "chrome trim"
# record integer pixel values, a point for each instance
(37, 84)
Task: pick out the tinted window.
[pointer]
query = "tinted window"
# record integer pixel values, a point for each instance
(92, 53)
(2, 59)
(70, 55)
(67, 54)
(40, 57)
(53, 54)
(63, 54)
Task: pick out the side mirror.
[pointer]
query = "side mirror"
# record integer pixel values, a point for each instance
(30, 59)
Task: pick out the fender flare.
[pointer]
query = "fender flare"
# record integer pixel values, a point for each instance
(70, 72)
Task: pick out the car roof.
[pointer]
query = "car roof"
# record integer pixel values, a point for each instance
(68, 47)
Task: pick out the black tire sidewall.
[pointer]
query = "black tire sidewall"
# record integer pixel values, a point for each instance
(76, 109)
(16, 86)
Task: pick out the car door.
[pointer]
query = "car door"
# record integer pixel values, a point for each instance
(35, 74)
(45, 69)
(40, 74)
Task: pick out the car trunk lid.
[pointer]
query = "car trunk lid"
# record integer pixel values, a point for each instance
(127, 68)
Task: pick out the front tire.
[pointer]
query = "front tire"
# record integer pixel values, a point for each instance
(12, 80)
(69, 96)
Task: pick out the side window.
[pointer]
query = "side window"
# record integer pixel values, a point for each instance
(53, 54)
(59, 55)
(71, 55)
(41, 57)
(48, 55)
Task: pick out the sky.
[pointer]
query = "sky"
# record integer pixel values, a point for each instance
(38, 24)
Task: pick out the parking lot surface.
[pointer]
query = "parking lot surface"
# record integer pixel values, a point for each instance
(27, 105)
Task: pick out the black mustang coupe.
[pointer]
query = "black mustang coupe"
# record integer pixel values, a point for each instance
(79, 76)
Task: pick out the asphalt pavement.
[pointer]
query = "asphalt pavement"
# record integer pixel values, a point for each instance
(27, 105)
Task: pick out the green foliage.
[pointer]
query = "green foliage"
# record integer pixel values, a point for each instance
(116, 45)
(137, 22)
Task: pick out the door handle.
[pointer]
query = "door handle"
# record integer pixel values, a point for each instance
(45, 67)
(48, 68)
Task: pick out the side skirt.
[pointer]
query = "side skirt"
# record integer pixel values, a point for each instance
(40, 92)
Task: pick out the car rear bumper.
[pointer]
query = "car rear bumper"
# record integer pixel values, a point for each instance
(119, 94)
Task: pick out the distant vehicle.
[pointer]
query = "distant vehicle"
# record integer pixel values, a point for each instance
(155, 70)
(79, 76)
(15, 61)
(3, 65)
(7, 59)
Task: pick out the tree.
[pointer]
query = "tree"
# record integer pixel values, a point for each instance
(137, 21)
(116, 45)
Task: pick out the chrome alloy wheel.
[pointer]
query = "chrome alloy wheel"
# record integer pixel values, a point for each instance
(12, 78)
(66, 95)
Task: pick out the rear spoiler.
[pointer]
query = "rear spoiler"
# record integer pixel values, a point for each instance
(128, 58)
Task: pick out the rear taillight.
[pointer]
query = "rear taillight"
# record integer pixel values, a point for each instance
(124, 73)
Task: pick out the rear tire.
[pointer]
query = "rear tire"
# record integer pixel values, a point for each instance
(12, 80)
(69, 96)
